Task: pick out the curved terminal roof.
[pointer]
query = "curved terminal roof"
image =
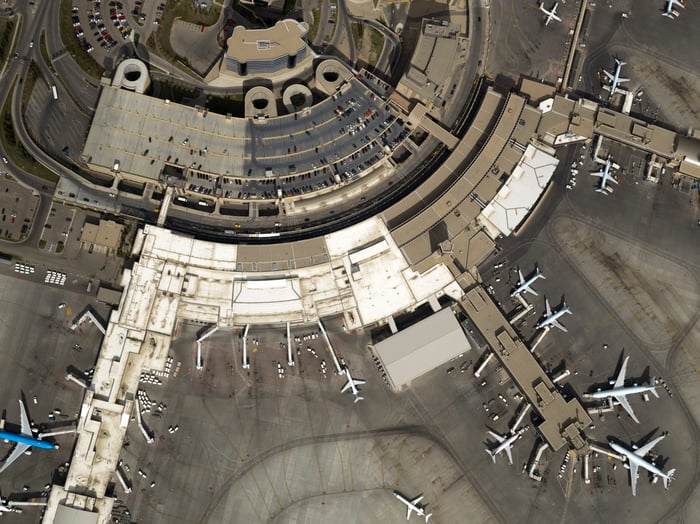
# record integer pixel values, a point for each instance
(285, 38)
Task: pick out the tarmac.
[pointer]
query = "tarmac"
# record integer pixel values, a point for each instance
(37, 348)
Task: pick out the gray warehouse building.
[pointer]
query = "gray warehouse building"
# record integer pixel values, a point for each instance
(422, 347)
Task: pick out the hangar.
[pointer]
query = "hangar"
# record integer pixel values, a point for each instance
(421, 347)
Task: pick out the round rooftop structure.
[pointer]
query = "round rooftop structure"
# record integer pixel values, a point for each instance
(132, 74)
(260, 102)
(297, 97)
(330, 74)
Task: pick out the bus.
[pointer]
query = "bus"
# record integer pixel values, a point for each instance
(54, 92)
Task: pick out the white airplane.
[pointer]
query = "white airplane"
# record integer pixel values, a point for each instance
(352, 384)
(619, 392)
(525, 285)
(605, 176)
(636, 459)
(615, 78)
(551, 15)
(669, 8)
(505, 444)
(413, 505)
(551, 319)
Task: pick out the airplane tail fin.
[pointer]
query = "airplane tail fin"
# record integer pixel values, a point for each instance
(358, 398)
(428, 516)
(668, 478)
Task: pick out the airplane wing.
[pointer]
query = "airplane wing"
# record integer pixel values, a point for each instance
(555, 16)
(546, 305)
(598, 173)
(498, 437)
(16, 453)
(530, 290)
(557, 324)
(417, 500)
(508, 452)
(633, 477)
(359, 381)
(620, 380)
(347, 386)
(620, 80)
(622, 399)
(408, 512)
(522, 278)
(26, 427)
(609, 75)
(644, 450)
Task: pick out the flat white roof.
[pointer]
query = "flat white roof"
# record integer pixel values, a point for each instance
(514, 201)
(422, 347)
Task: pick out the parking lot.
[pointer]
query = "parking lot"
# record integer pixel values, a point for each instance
(100, 28)
(38, 347)
(59, 230)
(17, 208)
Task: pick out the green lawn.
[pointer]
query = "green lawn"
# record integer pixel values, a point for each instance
(316, 12)
(377, 44)
(7, 28)
(45, 52)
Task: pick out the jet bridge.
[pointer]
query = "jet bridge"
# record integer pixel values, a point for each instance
(90, 315)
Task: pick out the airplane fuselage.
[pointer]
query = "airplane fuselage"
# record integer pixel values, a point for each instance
(632, 457)
(615, 392)
(550, 319)
(419, 510)
(506, 443)
(523, 286)
(605, 176)
(615, 81)
(29, 441)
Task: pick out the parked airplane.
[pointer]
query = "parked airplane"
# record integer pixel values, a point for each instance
(551, 15)
(525, 286)
(636, 459)
(24, 439)
(605, 176)
(669, 12)
(619, 392)
(413, 505)
(615, 78)
(551, 319)
(505, 444)
(352, 384)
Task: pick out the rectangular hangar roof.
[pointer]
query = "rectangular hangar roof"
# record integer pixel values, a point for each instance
(422, 347)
